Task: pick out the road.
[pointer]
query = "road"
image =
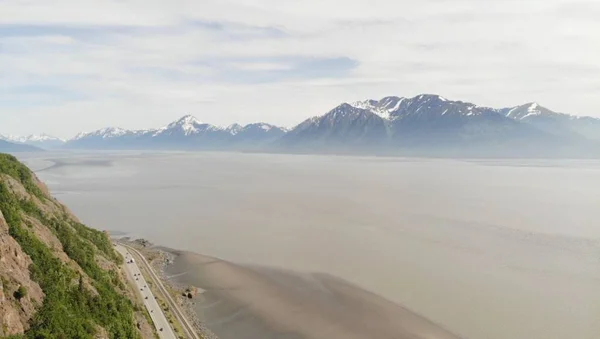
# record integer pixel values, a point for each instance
(156, 313)
(174, 306)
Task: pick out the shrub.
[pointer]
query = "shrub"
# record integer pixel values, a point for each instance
(20, 293)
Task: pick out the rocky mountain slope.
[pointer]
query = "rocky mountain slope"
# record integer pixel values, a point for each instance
(344, 126)
(434, 120)
(431, 125)
(58, 278)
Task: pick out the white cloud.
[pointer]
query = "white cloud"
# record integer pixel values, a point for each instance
(260, 66)
(141, 63)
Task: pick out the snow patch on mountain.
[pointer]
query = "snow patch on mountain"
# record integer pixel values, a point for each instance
(104, 133)
(30, 138)
(392, 107)
(266, 127)
(234, 129)
(188, 124)
(533, 109)
(344, 111)
(382, 108)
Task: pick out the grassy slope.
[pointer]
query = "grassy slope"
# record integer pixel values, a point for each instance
(70, 309)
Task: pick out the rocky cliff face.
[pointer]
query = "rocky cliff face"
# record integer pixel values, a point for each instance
(14, 273)
(58, 278)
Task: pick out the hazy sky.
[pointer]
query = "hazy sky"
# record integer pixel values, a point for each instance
(78, 65)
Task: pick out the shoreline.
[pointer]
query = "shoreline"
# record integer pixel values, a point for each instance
(225, 300)
(159, 257)
(445, 239)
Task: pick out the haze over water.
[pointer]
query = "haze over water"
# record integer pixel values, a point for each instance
(488, 249)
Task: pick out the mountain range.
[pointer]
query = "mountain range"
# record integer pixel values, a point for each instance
(10, 147)
(187, 133)
(30, 142)
(424, 124)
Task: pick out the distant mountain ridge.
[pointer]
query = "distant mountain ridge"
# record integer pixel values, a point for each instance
(10, 147)
(553, 122)
(420, 124)
(428, 121)
(185, 133)
(41, 140)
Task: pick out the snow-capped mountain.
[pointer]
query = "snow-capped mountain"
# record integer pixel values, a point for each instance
(383, 108)
(429, 124)
(529, 111)
(344, 126)
(553, 122)
(105, 133)
(33, 138)
(234, 129)
(393, 108)
(38, 140)
(186, 126)
(185, 133)
(256, 134)
(434, 116)
(108, 137)
(421, 120)
(392, 124)
(433, 120)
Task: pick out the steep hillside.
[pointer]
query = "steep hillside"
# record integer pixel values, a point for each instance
(58, 278)
(341, 127)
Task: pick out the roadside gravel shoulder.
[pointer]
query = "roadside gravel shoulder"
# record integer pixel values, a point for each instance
(159, 259)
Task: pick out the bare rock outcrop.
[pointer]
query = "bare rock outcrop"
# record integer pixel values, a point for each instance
(14, 273)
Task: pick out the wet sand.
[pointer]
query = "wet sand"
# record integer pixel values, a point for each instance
(253, 302)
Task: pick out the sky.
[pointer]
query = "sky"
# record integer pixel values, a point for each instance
(79, 65)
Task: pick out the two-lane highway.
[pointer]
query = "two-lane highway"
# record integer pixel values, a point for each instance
(161, 323)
